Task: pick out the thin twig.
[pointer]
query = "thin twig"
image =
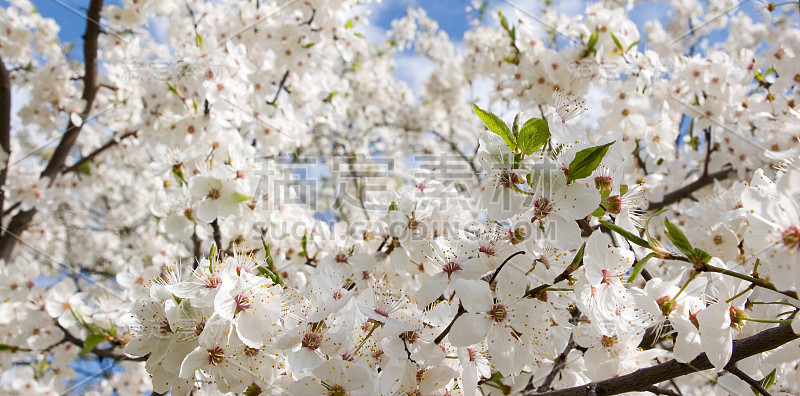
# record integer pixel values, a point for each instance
(686, 191)
(746, 378)
(89, 157)
(642, 379)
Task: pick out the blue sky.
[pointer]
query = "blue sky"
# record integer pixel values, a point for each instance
(450, 14)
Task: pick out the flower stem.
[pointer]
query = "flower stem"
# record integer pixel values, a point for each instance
(768, 320)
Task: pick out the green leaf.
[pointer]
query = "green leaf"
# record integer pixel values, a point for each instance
(633, 238)
(533, 135)
(577, 261)
(591, 43)
(348, 24)
(92, 341)
(678, 238)
(599, 212)
(359, 35)
(616, 42)
(85, 168)
(639, 267)
(309, 45)
(239, 197)
(173, 88)
(503, 20)
(699, 256)
(496, 125)
(586, 161)
(633, 45)
(198, 39)
(765, 383)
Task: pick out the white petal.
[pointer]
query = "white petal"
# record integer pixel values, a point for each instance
(576, 201)
(475, 295)
(469, 329)
(193, 361)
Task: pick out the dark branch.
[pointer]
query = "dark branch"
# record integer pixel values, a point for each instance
(22, 219)
(281, 87)
(746, 378)
(441, 336)
(217, 234)
(661, 391)
(561, 360)
(686, 191)
(90, 157)
(5, 128)
(103, 353)
(642, 379)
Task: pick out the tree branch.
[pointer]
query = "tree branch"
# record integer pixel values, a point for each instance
(89, 157)
(686, 191)
(746, 378)
(280, 88)
(217, 234)
(561, 360)
(642, 379)
(22, 219)
(5, 128)
(103, 353)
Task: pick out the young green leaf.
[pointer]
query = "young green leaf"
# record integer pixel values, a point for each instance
(496, 125)
(586, 161)
(639, 267)
(503, 20)
(616, 42)
(678, 238)
(533, 135)
(592, 42)
(92, 341)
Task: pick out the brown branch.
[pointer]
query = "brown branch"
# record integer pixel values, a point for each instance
(5, 128)
(89, 157)
(22, 219)
(497, 271)
(102, 353)
(441, 336)
(281, 86)
(661, 391)
(686, 191)
(561, 360)
(455, 148)
(643, 379)
(746, 378)
(217, 235)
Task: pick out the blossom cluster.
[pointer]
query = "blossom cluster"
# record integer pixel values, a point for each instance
(252, 202)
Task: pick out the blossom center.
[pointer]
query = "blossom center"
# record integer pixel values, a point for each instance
(487, 250)
(508, 179)
(450, 267)
(791, 237)
(312, 341)
(666, 305)
(213, 193)
(541, 208)
(242, 302)
(498, 313)
(609, 341)
(337, 390)
(164, 328)
(215, 356)
(212, 282)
